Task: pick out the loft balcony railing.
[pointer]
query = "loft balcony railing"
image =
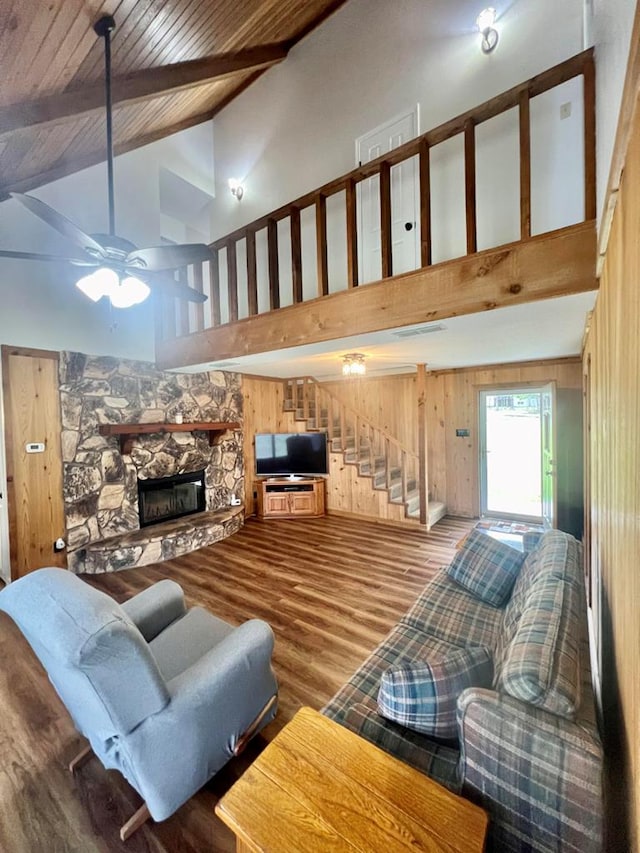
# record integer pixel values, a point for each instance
(178, 319)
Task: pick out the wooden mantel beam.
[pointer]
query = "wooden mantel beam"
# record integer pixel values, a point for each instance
(147, 83)
(556, 264)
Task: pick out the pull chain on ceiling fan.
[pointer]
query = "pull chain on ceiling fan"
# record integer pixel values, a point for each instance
(120, 271)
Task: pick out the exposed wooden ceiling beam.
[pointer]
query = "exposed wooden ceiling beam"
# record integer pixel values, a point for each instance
(147, 83)
(65, 166)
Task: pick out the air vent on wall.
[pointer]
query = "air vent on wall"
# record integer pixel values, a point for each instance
(422, 330)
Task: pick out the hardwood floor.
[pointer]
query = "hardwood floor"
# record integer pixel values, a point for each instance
(330, 588)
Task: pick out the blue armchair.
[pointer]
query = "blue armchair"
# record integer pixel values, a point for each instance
(164, 694)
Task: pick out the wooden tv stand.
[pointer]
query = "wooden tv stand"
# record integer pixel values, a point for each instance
(280, 497)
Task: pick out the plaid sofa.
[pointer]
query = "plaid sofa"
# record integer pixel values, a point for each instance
(527, 750)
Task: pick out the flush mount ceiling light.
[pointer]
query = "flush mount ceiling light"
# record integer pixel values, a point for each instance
(353, 364)
(485, 21)
(236, 187)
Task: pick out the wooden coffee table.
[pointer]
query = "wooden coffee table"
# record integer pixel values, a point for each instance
(319, 788)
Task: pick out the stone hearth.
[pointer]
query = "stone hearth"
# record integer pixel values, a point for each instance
(100, 483)
(162, 541)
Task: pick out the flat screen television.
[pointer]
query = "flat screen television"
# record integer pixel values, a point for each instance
(291, 453)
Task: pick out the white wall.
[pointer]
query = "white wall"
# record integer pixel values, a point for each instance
(295, 128)
(611, 25)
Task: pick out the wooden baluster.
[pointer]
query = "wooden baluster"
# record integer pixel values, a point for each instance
(403, 474)
(321, 246)
(274, 271)
(252, 273)
(305, 400)
(352, 235)
(343, 428)
(356, 438)
(232, 280)
(525, 166)
(385, 221)
(425, 204)
(470, 185)
(388, 461)
(589, 95)
(296, 255)
(183, 304)
(316, 404)
(288, 395)
(214, 288)
(199, 286)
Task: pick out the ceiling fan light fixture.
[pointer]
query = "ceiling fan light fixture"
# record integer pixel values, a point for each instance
(129, 291)
(100, 283)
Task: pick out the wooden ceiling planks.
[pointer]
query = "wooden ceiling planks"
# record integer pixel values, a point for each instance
(49, 48)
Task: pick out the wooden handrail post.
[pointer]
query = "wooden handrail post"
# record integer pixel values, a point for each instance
(321, 245)
(589, 95)
(198, 284)
(385, 221)
(274, 271)
(423, 472)
(296, 255)
(214, 288)
(352, 235)
(525, 166)
(252, 273)
(425, 204)
(232, 280)
(470, 185)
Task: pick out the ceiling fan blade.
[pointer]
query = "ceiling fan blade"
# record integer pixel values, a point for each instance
(32, 256)
(158, 258)
(61, 224)
(167, 285)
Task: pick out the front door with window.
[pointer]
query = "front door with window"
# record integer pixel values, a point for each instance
(517, 478)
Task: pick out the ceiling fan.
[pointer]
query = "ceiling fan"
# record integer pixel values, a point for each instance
(112, 266)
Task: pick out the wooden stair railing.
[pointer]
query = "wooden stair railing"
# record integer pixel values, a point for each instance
(378, 455)
(191, 319)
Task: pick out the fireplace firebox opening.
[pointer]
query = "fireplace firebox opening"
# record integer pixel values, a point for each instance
(170, 497)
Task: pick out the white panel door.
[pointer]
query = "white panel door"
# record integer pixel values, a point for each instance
(404, 202)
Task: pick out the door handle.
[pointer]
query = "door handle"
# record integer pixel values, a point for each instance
(408, 226)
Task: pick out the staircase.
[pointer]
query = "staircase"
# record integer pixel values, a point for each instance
(376, 454)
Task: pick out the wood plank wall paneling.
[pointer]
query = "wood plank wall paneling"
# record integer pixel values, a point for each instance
(453, 398)
(346, 493)
(386, 401)
(32, 407)
(390, 403)
(612, 352)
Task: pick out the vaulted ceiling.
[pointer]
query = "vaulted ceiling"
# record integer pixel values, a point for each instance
(176, 63)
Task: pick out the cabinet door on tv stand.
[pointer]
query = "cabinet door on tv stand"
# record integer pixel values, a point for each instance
(302, 503)
(276, 503)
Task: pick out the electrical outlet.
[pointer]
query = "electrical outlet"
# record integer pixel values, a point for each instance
(565, 110)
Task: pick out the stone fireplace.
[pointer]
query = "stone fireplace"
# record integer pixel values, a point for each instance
(100, 481)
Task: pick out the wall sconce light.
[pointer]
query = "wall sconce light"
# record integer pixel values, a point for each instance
(236, 187)
(353, 364)
(485, 21)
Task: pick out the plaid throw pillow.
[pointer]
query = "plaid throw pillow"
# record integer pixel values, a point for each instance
(422, 695)
(487, 568)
